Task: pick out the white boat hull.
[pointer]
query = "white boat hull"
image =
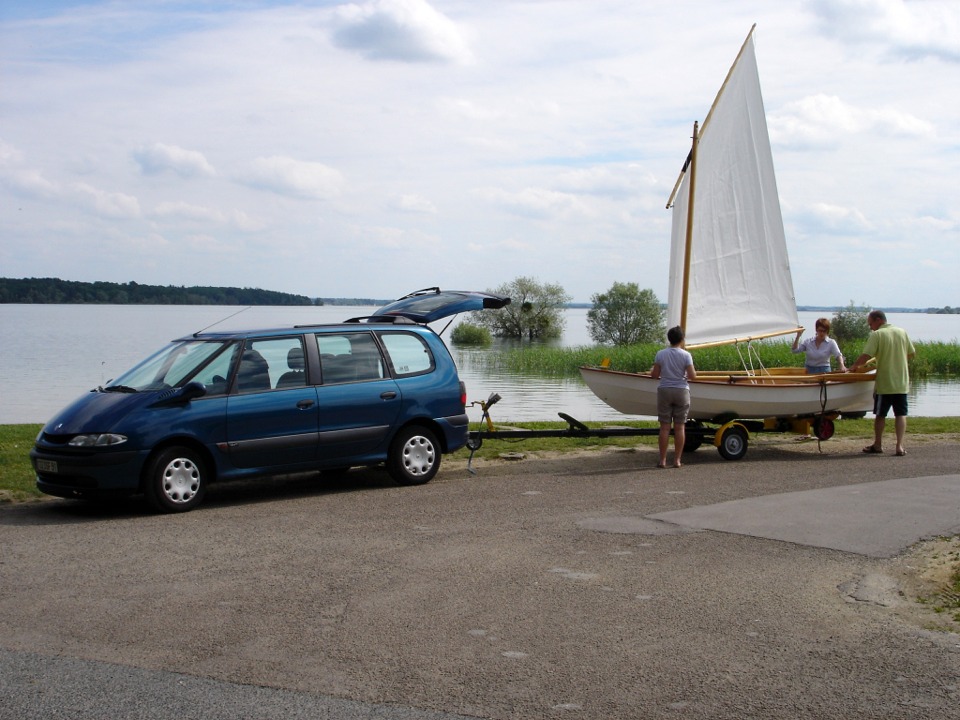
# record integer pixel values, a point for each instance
(735, 395)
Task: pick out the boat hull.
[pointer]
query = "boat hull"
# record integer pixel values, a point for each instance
(734, 395)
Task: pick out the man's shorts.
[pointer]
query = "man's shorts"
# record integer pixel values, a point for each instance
(673, 404)
(883, 403)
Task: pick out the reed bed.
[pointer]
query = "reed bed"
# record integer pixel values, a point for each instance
(933, 359)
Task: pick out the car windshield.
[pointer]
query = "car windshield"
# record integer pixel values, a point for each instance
(173, 365)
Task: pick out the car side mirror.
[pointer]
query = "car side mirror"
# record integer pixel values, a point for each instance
(192, 390)
(181, 396)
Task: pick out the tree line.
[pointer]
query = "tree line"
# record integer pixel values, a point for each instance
(57, 291)
(622, 315)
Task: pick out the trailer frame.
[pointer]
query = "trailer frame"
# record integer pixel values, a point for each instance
(731, 437)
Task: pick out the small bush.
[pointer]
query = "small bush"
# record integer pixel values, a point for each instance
(850, 323)
(468, 334)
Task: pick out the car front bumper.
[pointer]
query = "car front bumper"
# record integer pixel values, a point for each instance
(87, 475)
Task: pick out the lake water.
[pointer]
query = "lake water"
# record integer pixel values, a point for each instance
(50, 354)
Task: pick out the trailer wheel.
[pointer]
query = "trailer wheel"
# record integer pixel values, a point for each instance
(733, 443)
(694, 436)
(823, 428)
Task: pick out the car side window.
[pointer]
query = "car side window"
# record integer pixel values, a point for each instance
(271, 363)
(409, 354)
(214, 375)
(350, 357)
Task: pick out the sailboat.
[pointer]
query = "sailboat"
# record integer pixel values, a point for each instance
(730, 280)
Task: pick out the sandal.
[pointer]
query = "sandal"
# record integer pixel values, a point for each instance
(870, 449)
(901, 453)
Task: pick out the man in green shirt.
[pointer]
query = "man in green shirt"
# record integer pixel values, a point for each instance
(892, 349)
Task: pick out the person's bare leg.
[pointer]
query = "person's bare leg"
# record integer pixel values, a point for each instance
(664, 443)
(879, 423)
(900, 423)
(679, 439)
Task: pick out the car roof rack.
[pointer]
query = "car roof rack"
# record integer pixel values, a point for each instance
(388, 319)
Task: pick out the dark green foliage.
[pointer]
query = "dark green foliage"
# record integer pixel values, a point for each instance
(850, 323)
(625, 315)
(56, 291)
(469, 334)
(535, 311)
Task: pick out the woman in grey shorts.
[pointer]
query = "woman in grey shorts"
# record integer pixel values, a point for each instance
(674, 367)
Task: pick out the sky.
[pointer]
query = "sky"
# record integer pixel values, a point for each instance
(373, 148)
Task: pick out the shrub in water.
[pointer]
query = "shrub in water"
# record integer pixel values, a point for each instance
(467, 334)
(850, 323)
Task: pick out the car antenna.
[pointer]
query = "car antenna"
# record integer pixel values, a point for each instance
(222, 320)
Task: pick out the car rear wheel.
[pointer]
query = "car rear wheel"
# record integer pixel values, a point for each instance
(176, 480)
(414, 456)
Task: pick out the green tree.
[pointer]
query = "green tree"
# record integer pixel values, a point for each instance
(535, 313)
(850, 323)
(625, 315)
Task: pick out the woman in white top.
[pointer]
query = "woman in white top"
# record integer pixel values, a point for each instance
(819, 349)
(673, 366)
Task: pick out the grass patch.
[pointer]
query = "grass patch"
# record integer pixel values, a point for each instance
(17, 479)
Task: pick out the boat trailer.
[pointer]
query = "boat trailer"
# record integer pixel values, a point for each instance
(730, 437)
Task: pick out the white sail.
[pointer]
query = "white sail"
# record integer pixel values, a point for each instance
(740, 283)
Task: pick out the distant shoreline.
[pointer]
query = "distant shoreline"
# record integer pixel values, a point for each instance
(54, 291)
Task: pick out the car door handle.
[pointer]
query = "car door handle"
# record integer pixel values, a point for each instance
(388, 395)
(305, 404)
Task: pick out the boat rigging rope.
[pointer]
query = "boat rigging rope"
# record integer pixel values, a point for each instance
(752, 354)
(823, 410)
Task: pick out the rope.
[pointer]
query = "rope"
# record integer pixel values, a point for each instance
(823, 409)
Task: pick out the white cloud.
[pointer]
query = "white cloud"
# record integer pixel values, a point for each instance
(180, 210)
(159, 158)
(405, 30)
(294, 178)
(19, 178)
(415, 204)
(618, 180)
(535, 202)
(838, 219)
(911, 30)
(823, 120)
(108, 204)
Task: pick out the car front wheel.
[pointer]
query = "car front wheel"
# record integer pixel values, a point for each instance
(176, 480)
(414, 456)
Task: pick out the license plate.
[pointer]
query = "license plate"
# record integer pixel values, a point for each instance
(48, 466)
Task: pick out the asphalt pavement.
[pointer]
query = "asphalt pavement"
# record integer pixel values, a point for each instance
(585, 586)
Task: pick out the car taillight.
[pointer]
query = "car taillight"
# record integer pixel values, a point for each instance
(463, 393)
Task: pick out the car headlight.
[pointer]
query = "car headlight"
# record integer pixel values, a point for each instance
(97, 440)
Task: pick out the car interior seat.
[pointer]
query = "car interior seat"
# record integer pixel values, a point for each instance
(254, 373)
(295, 376)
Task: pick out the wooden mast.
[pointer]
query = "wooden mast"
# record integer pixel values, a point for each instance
(688, 240)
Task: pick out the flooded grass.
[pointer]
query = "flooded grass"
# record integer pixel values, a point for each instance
(933, 359)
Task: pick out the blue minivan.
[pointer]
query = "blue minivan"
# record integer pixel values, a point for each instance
(224, 405)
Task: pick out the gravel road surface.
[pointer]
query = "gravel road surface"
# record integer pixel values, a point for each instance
(541, 588)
